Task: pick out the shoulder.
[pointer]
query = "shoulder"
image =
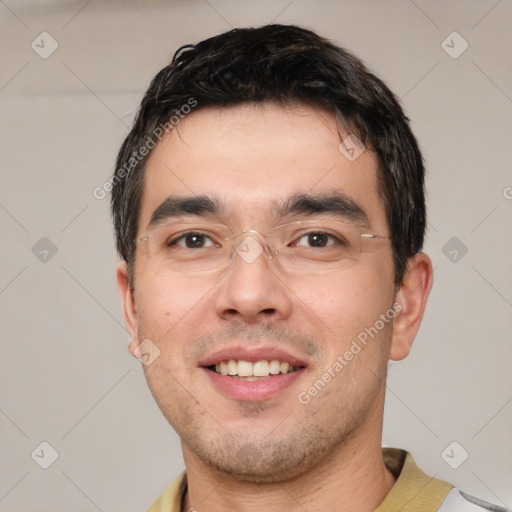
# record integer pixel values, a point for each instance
(416, 491)
(172, 497)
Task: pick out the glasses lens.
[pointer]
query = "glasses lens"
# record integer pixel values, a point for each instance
(317, 246)
(188, 247)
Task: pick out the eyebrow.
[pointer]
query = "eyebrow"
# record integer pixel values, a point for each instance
(175, 206)
(336, 204)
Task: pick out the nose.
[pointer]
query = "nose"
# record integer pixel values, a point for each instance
(253, 291)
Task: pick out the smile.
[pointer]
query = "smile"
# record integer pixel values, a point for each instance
(249, 371)
(252, 373)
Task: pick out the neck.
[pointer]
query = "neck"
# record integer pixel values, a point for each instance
(352, 478)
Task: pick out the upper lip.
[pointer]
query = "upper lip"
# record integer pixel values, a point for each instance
(253, 355)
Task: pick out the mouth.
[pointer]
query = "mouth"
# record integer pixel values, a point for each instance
(253, 371)
(252, 375)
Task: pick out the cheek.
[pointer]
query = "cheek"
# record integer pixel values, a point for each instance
(163, 301)
(343, 310)
(345, 299)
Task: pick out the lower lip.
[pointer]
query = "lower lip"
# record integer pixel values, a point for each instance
(256, 390)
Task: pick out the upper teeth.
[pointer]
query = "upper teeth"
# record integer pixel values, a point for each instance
(258, 369)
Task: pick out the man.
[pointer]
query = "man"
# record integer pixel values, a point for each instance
(269, 211)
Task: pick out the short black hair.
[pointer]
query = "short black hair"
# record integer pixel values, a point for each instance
(284, 64)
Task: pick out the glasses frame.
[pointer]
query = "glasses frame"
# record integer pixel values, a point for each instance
(270, 249)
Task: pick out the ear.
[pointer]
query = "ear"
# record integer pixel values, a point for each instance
(129, 312)
(411, 301)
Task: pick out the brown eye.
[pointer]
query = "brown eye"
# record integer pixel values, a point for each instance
(316, 240)
(193, 241)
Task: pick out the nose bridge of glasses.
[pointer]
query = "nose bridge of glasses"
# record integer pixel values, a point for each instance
(249, 244)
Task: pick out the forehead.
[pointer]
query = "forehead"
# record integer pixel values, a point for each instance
(254, 155)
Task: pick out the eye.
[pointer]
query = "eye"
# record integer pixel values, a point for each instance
(316, 239)
(192, 241)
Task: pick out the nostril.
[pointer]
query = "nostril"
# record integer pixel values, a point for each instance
(268, 311)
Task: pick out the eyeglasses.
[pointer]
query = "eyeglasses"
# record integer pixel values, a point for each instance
(305, 246)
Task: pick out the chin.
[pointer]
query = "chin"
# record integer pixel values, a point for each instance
(265, 463)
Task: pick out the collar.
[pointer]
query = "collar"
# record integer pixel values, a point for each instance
(414, 491)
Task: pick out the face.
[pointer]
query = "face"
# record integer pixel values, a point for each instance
(253, 162)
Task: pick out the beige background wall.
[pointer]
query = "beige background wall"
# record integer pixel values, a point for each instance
(65, 374)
